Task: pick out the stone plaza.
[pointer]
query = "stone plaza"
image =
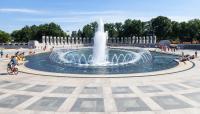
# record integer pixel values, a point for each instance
(170, 93)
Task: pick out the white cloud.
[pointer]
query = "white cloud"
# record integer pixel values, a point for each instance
(53, 19)
(16, 10)
(95, 12)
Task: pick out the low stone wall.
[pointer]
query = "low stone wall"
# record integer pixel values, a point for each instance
(52, 41)
(189, 46)
(135, 40)
(13, 45)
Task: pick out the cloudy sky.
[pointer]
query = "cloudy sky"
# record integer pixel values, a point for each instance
(73, 14)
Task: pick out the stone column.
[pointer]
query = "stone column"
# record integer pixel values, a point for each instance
(50, 40)
(147, 39)
(66, 42)
(140, 40)
(58, 38)
(61, 40)
(136, 40)
(47, 40)
(133, 40)
(43, 40)
(151, 39)
(155, 40)
(76, 40)
(79, 40)
(54, 40)
(143, 40)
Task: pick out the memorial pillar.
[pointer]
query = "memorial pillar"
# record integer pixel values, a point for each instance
(147, 40)
(155, 40)
(133, 40)
(61, 40)
(151, 40)
(43, 40)
(47, 40)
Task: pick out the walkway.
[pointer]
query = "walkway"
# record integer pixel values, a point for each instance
(177, 93)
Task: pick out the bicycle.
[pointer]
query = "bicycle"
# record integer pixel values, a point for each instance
(12, 71)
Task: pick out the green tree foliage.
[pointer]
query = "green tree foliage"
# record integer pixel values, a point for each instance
(36, 32)
(133, 28)
(162, 27)
(4, 37)
(74, 34)
(119, 29)
(89, 30)
(110, 27)
(194, 28)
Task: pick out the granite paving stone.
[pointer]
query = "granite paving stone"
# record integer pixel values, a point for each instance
(38, 88)
(47, 104)
(170, 102)
(15, 86)
(121, 90)
(149, 89)
(131, 104)
(64, 90)
(88, 105)
(173, 87)
(195, 96)
(13, 100)
(92, 90)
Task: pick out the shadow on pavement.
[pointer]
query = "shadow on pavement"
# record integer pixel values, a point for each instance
(3, 73)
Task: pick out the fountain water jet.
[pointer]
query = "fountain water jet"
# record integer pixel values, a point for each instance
(99, 48)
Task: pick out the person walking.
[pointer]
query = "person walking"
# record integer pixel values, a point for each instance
(195, 54)
(1, 53)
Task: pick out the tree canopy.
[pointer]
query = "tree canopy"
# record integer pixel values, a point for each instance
(4, 37)
(160, 26)
(36, 32)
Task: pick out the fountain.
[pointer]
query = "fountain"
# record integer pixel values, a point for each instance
(100, 55)
(101, 59)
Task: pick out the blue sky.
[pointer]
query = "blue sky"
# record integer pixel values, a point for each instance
(73, 14)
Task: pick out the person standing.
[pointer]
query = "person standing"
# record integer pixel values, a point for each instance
(1, 53)
(195, 54)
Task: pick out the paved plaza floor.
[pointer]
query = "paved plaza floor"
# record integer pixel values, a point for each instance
(177, 93)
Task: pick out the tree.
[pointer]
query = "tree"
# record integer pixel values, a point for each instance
(80, 34)
(176, 29)
(36, 32)
(194, 29)
(89, 30)
(74, 34)
(119, 29)
(112, 32)
(133, 28)
(4, 37)
(162, 27)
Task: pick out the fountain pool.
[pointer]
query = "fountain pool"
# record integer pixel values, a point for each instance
(159, 61)
(100, 59)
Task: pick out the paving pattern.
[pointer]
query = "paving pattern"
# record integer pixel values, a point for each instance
(177, 93)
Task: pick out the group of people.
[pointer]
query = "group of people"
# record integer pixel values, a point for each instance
(168, 48)
(188, 57)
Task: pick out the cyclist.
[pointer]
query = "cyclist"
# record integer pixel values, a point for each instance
(13, 62)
